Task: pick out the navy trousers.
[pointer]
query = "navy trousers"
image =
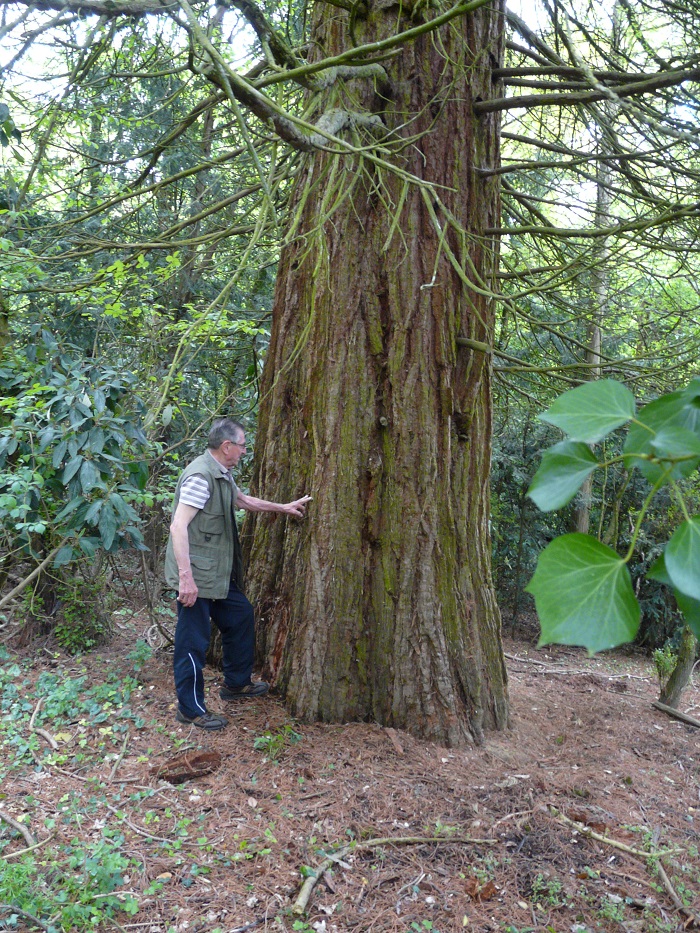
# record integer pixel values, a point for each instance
(234, 618)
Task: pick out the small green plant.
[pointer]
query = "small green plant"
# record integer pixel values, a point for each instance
(83, 622)
(140, 655)
(274, 743)
(665, 660)
(548, 892)
(611, 909)
(75, 890)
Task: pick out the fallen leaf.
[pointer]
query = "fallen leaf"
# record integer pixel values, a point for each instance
(472, 886)
(488, 891)
(252, 803)
(480, 892)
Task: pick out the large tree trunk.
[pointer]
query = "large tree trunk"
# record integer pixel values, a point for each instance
(380, 606)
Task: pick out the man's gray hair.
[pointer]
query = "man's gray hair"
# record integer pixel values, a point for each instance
(224, 429)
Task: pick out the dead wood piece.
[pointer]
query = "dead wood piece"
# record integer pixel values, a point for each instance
(394, 739)
(676, 714)
(6, 818)
(187, 767)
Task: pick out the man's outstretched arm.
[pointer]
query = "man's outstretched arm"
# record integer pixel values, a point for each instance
(251, 504)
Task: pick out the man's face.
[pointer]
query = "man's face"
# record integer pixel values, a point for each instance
(233, 451)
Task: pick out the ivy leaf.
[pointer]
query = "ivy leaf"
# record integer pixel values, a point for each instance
(675, 443)
(561, 474)
(692, 392)
(584, 595)
(682, 557)
(658, 423)
(591, 411)
(689, 607)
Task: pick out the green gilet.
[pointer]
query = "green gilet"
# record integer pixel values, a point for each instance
(215, 551)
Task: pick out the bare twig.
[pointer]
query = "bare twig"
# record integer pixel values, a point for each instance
(587, 831)
(301, 903)
(24, 913)
(9, 856)
(6, 818)
(572, 670)
(120, 758)
(666, 881)
(42, 732)
(32, 576)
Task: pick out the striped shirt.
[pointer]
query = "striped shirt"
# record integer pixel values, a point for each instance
(195, 490)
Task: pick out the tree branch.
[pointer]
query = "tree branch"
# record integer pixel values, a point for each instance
(645, 85)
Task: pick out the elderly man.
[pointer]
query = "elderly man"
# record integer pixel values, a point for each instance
(203, 563)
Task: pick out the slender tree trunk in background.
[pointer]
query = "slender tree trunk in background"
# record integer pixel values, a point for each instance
(599, 302)
(5, 337)
(380, 605)
(522, 524)
(673, 688)
(600, 271)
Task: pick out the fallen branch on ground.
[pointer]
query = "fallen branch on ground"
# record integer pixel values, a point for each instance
(645, 856)
(301, 903)
(42, 732)
(688, 911)
(10, 856)
(6, 818)
(592, 834)
(25, 913)
(572, 670)
(120, 758)
(676, 714)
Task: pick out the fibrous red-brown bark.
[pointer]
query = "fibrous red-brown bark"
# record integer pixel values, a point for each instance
(380, 604)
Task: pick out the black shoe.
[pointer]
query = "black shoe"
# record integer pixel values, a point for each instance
(256, 688)
(209, 721)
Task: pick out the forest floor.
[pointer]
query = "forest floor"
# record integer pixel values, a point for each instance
(554, 825)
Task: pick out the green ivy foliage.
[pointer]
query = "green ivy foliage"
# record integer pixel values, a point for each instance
(582, 588)
(72, 453)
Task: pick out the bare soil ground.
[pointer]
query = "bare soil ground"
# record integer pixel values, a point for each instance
(506, 826)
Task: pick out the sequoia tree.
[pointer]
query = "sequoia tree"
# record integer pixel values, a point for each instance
(376, 396)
